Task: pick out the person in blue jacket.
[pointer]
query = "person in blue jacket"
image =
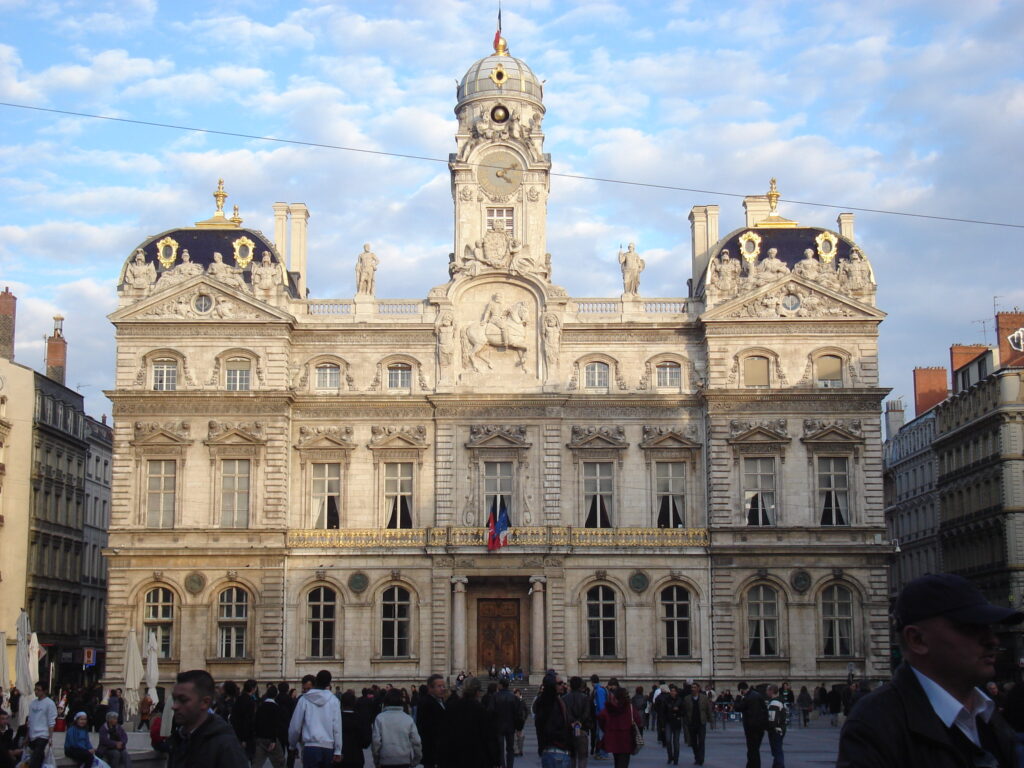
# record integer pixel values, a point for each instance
(76, 742)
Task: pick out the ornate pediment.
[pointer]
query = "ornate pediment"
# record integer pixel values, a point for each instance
(497, 436)
(835, 431)
(325, 439)
(392, 437)
(235, 433)
(197, 299)
(598, 438)
(161, 433)
(795, 298)
(767, 431)
(669, 438)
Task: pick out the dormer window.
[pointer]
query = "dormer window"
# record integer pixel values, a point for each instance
(238, 371)
(755, 372)
(670, 375)
(165, 375)
(328, 376)
(399, 376)
(596, 376)
(829, 371)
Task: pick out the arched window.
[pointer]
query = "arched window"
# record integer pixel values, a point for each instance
(321, 609)
(675, 616)
(232, 619)
(596, 376)
(601, 621)
(399, 376)
(328, 376)
(828, 371)
(238, 374)
(394, 630)
(165, 375)
(763, 621)
(158, 618)
(755, 372)
(669, 375)
(837, 621)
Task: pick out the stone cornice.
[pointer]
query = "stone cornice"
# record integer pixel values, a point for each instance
(795, 400)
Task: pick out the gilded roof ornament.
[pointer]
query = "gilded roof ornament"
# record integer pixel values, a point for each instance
(235, 218)
(501, 47)
(773, 197)
(773, 219)
(220, 196)
(219, 220)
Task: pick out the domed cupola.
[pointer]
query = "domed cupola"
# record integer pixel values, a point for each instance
(500, 75)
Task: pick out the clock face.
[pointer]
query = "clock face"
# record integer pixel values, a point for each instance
(499, 173)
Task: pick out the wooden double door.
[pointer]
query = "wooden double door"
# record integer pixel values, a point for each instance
(497, 633)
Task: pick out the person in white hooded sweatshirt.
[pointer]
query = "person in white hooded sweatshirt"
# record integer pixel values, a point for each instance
(316, 725)
(396, 740)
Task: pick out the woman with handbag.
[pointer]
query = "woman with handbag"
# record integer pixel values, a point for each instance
(622, 727)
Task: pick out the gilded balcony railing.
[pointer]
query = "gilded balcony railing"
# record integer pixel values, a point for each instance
(528, 536)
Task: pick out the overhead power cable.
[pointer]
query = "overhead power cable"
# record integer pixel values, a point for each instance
(576, 176)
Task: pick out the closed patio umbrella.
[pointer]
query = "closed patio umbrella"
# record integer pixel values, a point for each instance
(133, 672)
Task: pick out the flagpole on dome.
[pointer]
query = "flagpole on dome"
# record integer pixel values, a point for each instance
(500, 46)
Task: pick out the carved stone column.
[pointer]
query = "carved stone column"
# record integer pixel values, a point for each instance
(459, 624)
(537, 662)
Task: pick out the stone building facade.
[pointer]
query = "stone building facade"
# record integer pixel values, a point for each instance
(692, 484)
(47, 444)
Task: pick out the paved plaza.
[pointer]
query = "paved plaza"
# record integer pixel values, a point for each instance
(814, 746)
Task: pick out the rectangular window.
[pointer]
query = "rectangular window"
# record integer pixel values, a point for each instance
(165, 375)
(669, 375)
(400, 376)
(598, 492)
(328, 377)
(498, 479)
(755, 372)
(398, 494)
(834, 490)
(669, 479)
(161, 489)
(234, 486)
(504, 215)
(759, 490)
(327, 495)
(232, 641)
(596, 376)
(238, 375)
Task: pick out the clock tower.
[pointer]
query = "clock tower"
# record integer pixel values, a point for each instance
(500, 173)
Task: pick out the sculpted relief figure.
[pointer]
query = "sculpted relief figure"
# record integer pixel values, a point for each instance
(501, 327)
(552, 341)
(632, 265)
(723, 278)
(811, 268)
(772, 268)
(366, 271)
(225, 273)
(446, 332)
(855, 274)
(140, 276)
(265, 276)
(180, 272)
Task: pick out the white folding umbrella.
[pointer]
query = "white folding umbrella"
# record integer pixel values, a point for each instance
(23, 675)
(5, 673)
(35, 653)
(133, 673)
(152, 667)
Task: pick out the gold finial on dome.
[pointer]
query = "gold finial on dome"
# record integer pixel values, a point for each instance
(773, 197)
(220, 196)
(235, 218)
(501, 47)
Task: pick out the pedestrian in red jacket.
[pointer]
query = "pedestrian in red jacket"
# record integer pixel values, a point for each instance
(617, 720)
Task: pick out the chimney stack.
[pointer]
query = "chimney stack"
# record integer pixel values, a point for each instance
(758, 209)
(703, 236)
(894, 417)
(297, 251)
(8, 311)
(281, 230)
(930, 388)
(57, 352)
(1010, 335)
(845, 224)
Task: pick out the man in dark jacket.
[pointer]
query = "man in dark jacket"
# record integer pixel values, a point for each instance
(581, 720)
(267, 730)
(933, 714)
(202, 739)
(242, 715)
(755, 721)
(672, 722)
(554, 732)
(472, 741)
(504, 705)
(430, 715)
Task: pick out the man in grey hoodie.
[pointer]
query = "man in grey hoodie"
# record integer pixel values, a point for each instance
(316, 725)
(396, 740)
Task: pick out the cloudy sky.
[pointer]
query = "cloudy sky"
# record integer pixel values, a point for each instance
(909, 106)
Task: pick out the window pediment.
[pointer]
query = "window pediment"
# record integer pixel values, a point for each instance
(231, 434)
(770, 431)
(325, 439)
(398, 438)
(669, 438)
(838, 431)
(157, 435)
(497, 436)
(591, 438)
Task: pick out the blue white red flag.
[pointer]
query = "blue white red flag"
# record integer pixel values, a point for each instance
(497, 526)
(497, 34)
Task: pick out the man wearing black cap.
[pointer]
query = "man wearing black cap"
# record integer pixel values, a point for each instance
(933, 714)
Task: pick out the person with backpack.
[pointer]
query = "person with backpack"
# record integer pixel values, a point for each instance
(777, 720)
(598, 698)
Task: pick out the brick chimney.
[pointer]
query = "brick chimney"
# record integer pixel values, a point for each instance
(894, 417)
(8, 311)
(57, 352)
(961, 354)
(930, 388)
(1010, 332)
